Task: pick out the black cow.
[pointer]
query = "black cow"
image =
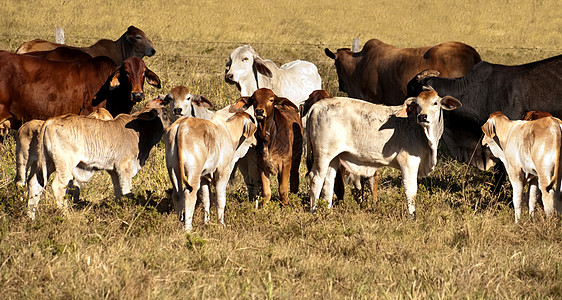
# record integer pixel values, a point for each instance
(513, 90)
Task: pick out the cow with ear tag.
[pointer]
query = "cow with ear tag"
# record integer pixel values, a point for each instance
(279, 140)
(362, 137)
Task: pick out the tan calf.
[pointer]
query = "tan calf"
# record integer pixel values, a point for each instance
(530, 152)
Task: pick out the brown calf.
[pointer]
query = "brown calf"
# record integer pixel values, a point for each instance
(279, 140)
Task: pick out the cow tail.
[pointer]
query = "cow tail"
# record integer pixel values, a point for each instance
(179, 139)
(555, 181)
(42, 156)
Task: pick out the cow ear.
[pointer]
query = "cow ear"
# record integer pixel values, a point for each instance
(261, 67)
(148, 115)
(285, 102)
(409, 105)
(114, 82)
(241, 104)
(329, 53)
(152, 78)
(489, 128)
(249, 126)
(450, 103)
(201, 101)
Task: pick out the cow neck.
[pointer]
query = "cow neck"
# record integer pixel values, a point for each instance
(122, 44)
(433, 135)
(503, 131)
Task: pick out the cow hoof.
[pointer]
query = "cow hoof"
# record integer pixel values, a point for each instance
(412, 216)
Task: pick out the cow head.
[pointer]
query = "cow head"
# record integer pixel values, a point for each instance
(241, 69)
(344, 66)
(314, 97)
(131, 75)
(490, 139)
(427, 107)
(180, 101)
(141, 45)
(417, 83)
(264, 102)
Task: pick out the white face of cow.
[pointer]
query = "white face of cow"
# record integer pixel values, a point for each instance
(240, 64)
(179, 100)
(427, 106)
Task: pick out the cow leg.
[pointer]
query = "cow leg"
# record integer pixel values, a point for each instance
(339, 184)
(190, 198)
(532, 196)
(247, 166)
(374, 186)
(62, 177)
(266, 188)
(284, 183)
(317, 177)
(116, 184)
(410, 183)
(177, 194)
(547, 195)
(328, 188)
(35, 188)
(516, 179)
(221, 198)
(205, 199)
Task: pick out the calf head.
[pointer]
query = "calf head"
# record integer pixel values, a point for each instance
(245, 138)
(314, 97)
(127, 81)
(427, 107)
(181, 101)
(264, 102)
(491, 138)
(136, 38)
(242, 65)
(344, 66)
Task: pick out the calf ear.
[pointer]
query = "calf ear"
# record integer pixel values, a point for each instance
(329, 53)
(201, 101)
(261, 67)
(285, 102)
(489, 128)
(450, 103)
(114, 82)
(241, 104)
(409, 105)
(249, 127)
(152, 78)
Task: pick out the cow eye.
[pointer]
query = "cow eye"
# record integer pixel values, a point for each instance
(434, 103)
(138, 37)
(245, 59)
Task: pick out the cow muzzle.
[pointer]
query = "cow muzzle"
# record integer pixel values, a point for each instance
(137, 96)
(260, 114)
(177, 111)
(422, 118)
(229, 78)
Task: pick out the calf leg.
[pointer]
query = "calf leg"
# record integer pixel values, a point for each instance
(328, 188)
(532, 196)
(317, 177)
(284, 183)
(516, 180)
(547, 196)
(247, 166)
(221, 198)
(190, 198)
(410, 183)
(266, 188)
(205, 199)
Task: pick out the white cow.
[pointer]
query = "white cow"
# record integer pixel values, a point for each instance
(199, 152)
(362, 137)
(77, 146)
(530, 152)
(294, 80)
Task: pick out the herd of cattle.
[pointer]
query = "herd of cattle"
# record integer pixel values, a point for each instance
(73, 105)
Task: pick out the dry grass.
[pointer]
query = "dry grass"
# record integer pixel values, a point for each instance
(463, 244)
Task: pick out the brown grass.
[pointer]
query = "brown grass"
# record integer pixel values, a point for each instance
(463, 244)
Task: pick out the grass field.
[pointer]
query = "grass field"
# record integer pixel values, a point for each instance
(463, 244)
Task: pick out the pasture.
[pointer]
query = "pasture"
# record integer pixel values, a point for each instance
(463, 244)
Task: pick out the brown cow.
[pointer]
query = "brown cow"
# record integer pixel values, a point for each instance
(379, 73)
(37, 88)
(132, 43)
(279, 140)
(62, 54)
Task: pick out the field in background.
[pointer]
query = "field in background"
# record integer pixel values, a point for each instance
(463, 244)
